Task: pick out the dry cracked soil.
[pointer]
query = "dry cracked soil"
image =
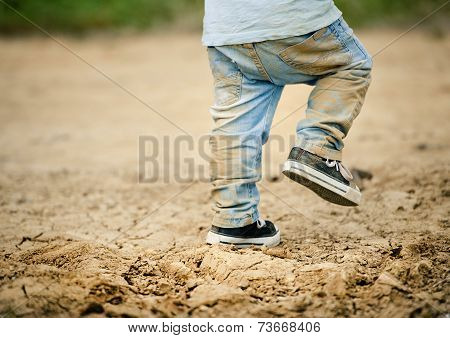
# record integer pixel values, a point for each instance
(80, 236)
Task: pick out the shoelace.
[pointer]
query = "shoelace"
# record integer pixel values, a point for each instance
(340, 167)
(260, 223)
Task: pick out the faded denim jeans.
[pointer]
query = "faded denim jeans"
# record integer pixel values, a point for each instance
(248, 81)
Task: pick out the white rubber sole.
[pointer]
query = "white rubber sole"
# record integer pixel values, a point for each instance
(353, 196)
(214, 238)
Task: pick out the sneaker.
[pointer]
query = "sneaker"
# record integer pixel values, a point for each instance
(328, 179)
(258, 233)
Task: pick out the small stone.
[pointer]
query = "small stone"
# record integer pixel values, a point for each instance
(424, 267)
(421, 146)
(362, 260)
(337, 285)
(301, 303)
(193, 283)
(387, 279)
(244, 284)
(445, 193)
(164, 288)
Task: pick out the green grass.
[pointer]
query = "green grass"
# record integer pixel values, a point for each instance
(391, 12)
(86, 15)
(82, 15)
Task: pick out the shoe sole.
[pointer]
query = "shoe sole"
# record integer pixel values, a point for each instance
(323, 185)
(214, 238)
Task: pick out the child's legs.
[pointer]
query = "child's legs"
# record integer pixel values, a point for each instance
(336, 99)
(337, 64)
(242, 114)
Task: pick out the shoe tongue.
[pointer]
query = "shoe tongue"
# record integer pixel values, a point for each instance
(345, 172)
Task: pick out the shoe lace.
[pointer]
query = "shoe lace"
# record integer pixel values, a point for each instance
(341, 168)
(260, 223)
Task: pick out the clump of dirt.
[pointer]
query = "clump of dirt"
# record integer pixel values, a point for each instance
(333, 277)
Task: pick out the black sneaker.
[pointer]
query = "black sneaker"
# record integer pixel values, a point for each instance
(258, 233)
(328, 179)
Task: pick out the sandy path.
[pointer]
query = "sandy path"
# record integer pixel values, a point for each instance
(73, 238)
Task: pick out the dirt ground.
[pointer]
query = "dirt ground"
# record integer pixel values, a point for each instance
(80, 236)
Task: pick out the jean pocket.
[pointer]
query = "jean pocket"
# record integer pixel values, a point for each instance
(321, 53)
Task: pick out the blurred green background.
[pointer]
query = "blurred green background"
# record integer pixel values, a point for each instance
(79, 16)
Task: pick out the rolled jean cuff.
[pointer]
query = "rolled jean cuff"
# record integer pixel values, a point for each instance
(322, 151)
(223, 221)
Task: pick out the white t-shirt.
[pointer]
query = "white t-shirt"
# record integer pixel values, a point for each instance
(228, 22)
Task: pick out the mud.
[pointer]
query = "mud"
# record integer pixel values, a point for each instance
(80, 237)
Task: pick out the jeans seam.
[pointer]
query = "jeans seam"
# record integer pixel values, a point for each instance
(338, 36)
(268, 107)
(258, 63)
(264, 128)
(355, 40)
(358, 104)
(265, 118)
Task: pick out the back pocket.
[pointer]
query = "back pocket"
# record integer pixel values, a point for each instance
(319, 54)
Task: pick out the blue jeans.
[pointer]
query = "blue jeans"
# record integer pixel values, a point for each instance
(248, 81)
